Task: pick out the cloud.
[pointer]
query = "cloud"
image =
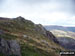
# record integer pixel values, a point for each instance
(46, 12)
(71, 20)
(33, 1)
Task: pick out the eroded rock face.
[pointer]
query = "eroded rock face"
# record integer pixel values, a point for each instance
(9, 47)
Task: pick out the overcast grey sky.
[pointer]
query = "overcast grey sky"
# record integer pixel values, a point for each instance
(46, 12)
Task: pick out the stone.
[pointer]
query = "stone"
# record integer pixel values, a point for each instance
(25, 36)
(9, 47)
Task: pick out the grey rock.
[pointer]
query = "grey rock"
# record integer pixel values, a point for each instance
(4, 48)
(9, 47)
(25, 36)
(15, 47)
(40, 29)
(44, 41)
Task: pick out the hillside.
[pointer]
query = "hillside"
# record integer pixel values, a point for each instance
(21, 37)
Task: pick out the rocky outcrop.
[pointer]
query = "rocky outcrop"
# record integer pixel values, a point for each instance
(9, 47)
(42, 30)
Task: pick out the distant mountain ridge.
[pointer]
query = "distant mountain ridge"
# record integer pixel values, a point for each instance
(53, 27)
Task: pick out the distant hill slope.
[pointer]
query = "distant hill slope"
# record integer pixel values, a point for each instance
(65, 38)
(65, 35)
(60, 33)
(22, 37)
(71, 29)
(68, 43)
(53, 27)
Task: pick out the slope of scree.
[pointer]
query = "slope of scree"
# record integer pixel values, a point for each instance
(29, 39)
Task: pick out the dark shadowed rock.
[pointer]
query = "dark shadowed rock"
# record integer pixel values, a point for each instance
(52, 37)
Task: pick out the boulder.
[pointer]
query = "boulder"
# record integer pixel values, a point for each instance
(9, 47)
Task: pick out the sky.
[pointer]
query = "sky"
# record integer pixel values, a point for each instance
(45, 12)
